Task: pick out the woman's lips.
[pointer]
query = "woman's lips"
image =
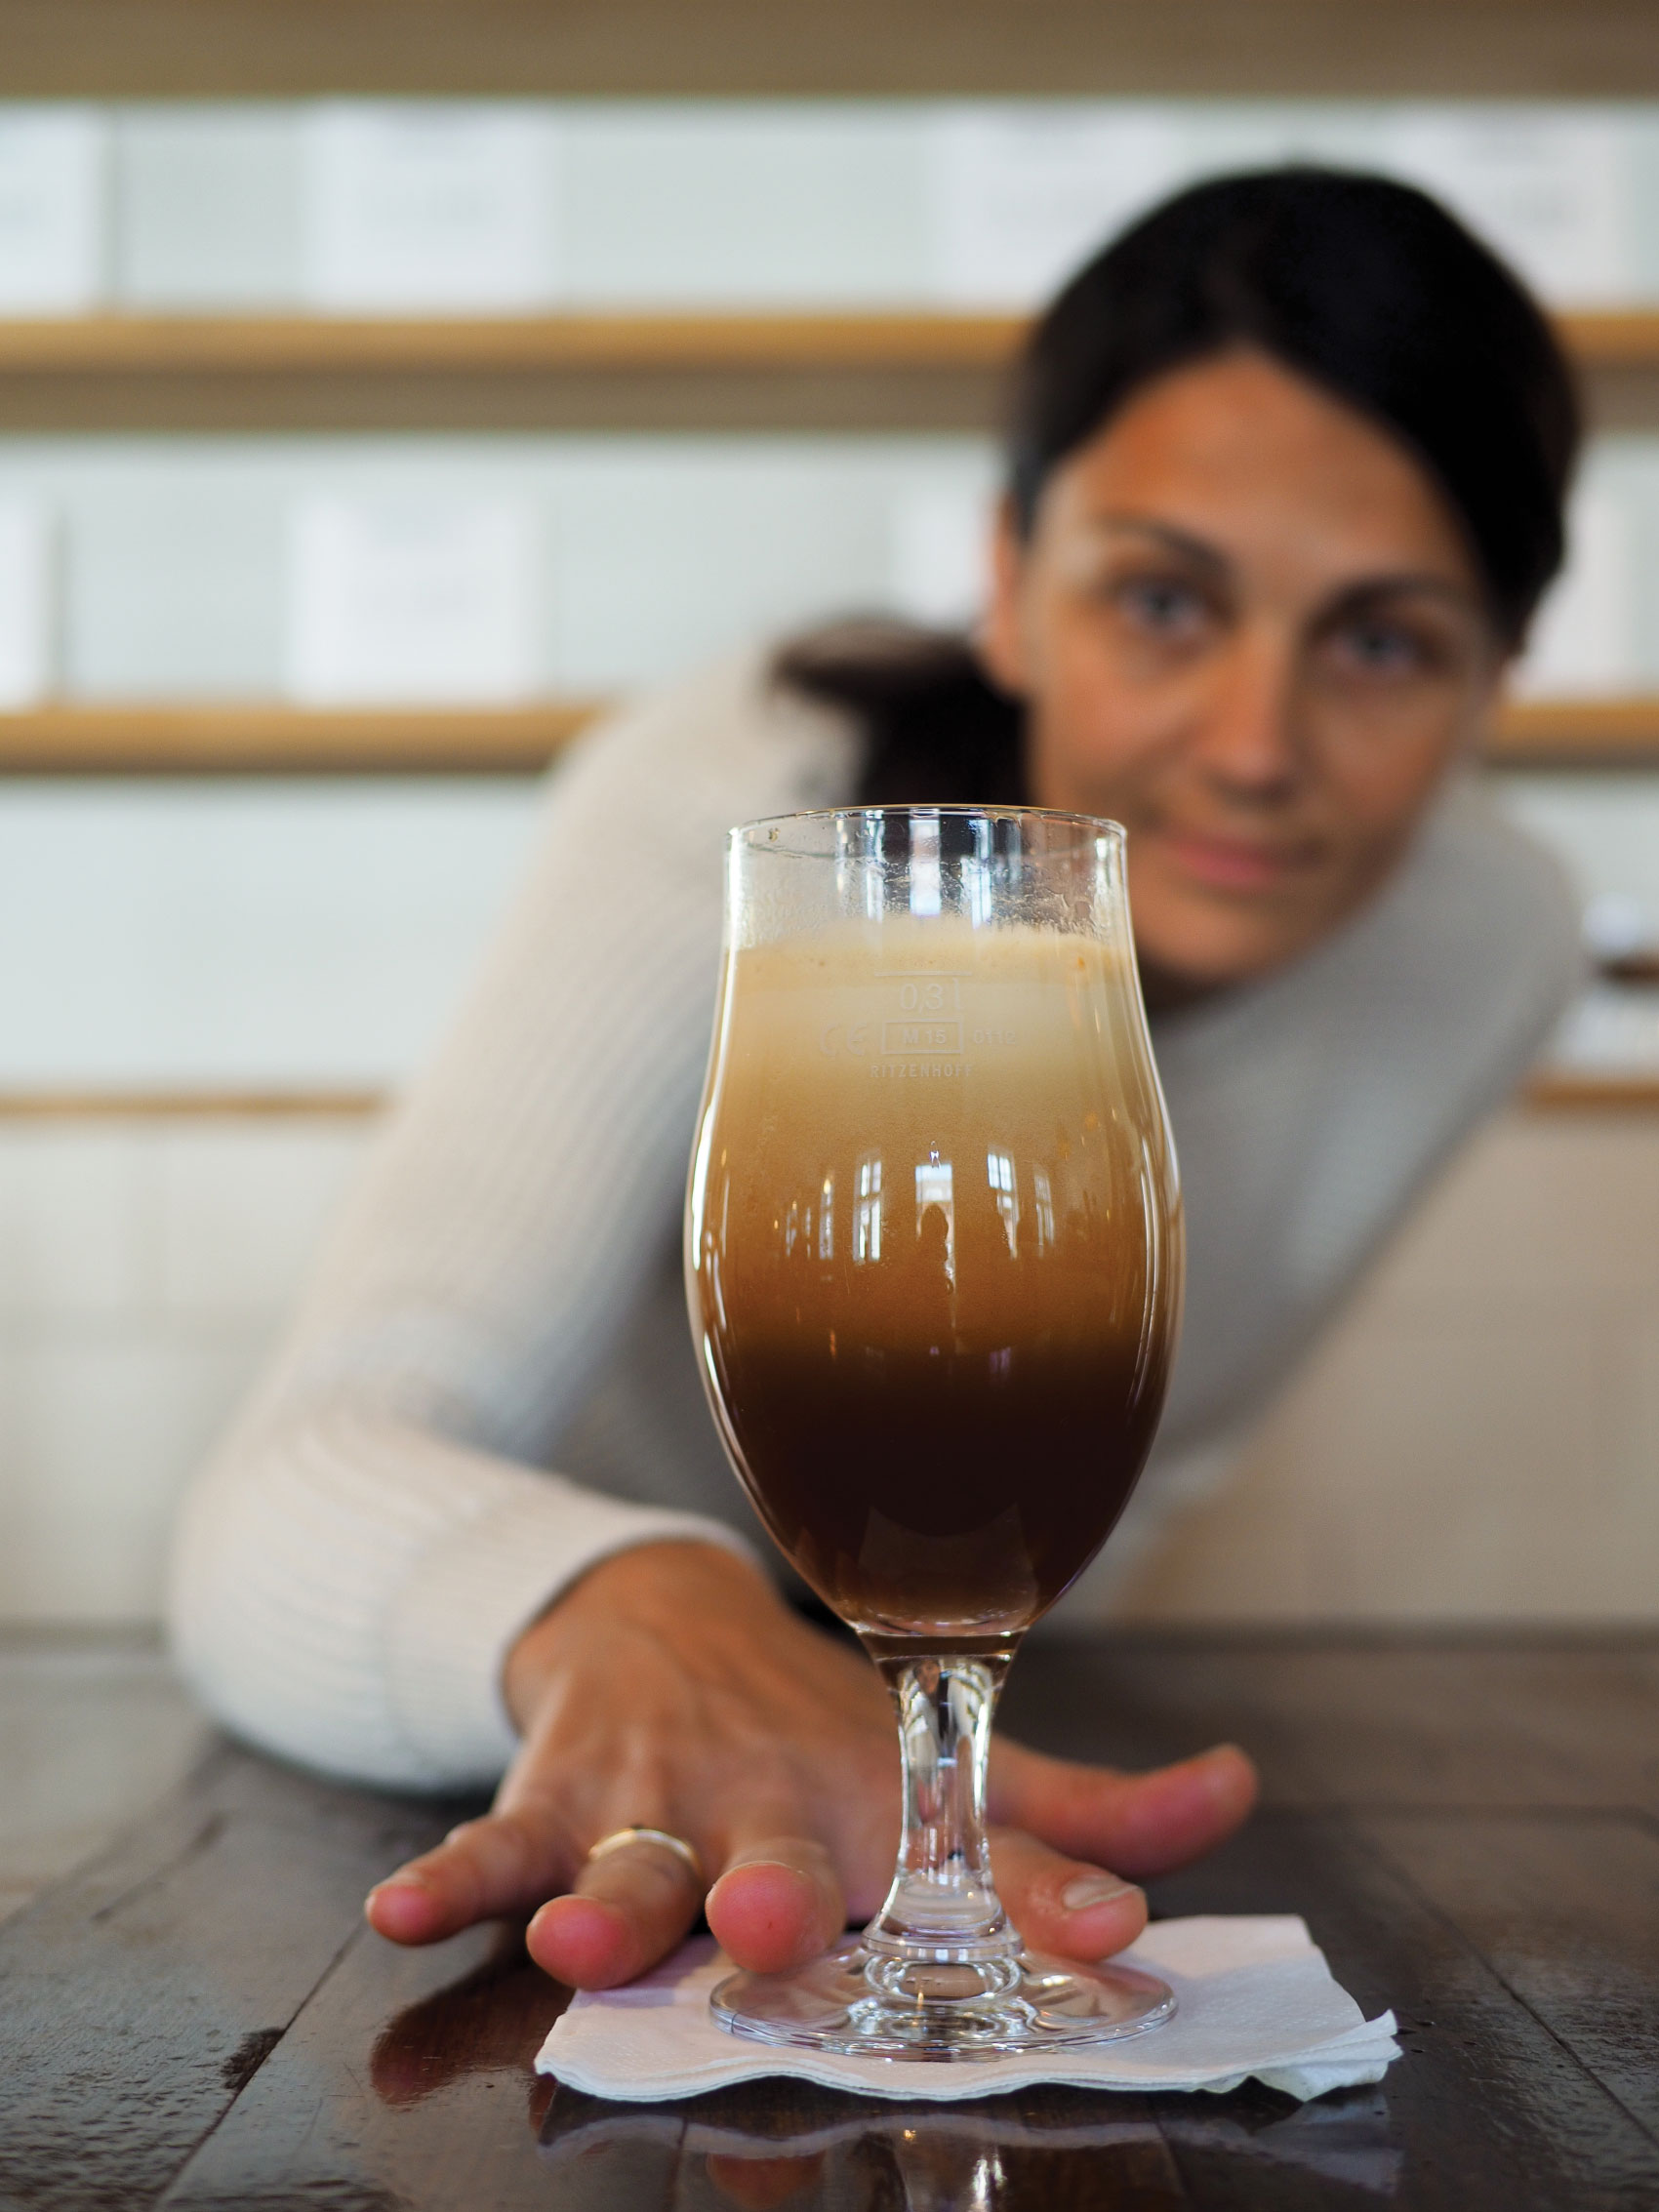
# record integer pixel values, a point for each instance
(1236, 864)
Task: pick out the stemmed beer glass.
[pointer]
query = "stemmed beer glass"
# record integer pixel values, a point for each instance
(933, 1260)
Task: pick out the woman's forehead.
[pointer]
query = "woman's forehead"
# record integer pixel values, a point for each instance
(1234, 459)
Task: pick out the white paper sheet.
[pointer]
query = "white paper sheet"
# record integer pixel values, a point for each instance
(422, 205)
(1547, 188)
(54, 213)
(1254, 1994)
(411, 601)
(27, 610)
(1017, 198)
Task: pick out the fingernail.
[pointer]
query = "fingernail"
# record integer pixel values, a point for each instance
(1093, 1889)
(405, 1878)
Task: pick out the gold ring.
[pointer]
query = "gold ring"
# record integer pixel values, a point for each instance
(678, 1844)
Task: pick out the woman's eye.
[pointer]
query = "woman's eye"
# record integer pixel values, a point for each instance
(1381, 648)
(1161, 605)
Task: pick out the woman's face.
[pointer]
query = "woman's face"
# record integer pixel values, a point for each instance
(1248, 628)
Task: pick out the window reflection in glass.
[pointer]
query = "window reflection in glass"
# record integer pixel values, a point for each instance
(1043, 1191)
(866, 1209)
(999, 1170)
(934, 1187)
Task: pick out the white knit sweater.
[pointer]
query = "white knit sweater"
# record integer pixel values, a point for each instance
(504, 1292)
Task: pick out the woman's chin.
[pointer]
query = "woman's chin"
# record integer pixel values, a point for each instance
(1187, 955)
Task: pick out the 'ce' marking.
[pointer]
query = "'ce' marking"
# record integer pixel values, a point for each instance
(857, 1039)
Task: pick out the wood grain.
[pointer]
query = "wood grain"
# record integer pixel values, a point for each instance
(1489, 2107)
(200, 2019)
(1566, 1913)
(142, 1996)
(1382, 1720)
(435, 2102)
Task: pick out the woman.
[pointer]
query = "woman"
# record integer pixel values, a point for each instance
(1287, 471)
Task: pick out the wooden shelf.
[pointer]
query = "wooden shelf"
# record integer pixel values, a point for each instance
(784, 49)
(193, 1105)
(1577, 733)
(268, 738)
(271, 738)
(1554, 1091)
(1628, 339)
(785, 340)
(227, 345)
(580, 372)
(1576, 1091)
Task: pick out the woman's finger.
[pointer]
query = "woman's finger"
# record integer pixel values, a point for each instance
(777, 1903)
(625, 1910)
(505, 1863)
(1145, 1824)
(1063, 1905)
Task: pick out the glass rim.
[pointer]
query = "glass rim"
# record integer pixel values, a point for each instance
(747, 833)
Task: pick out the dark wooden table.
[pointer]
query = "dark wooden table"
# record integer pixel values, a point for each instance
(1471, 1826)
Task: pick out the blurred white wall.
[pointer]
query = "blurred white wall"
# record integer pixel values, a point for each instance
(1478, 1436)
(145, 1268)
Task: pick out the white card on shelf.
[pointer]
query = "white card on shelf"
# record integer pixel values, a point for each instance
(1546, 189)
(1583, 642)
(423, 205)
(411, 602)
(27, 628)
(1019, 197)
(53, 209)
(940, 571)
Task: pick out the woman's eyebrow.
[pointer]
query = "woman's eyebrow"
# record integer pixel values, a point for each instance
(1171, 538)
(1353, 598)
(1356, 598)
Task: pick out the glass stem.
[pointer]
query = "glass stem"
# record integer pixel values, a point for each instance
(943, 1905)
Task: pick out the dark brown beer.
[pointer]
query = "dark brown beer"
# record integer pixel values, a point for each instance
(935, 1265)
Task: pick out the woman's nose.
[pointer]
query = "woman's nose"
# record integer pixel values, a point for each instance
(1249, 741)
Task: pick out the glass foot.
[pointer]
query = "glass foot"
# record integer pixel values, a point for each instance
(854, 1999)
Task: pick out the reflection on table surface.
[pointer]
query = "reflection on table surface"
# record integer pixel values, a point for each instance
(742, 2147)
(784, 2142)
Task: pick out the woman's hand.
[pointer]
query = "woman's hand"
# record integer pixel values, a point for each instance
(672, 1688)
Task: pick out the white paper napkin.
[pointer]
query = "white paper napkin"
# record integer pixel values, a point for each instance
(1254, 1994)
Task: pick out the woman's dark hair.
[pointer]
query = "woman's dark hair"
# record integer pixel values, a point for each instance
(1364, 286)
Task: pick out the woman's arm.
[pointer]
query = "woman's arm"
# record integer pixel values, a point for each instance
(355, 1565)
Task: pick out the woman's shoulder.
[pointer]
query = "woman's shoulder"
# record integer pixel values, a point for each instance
(1444, 988)
(1482, 920)
(726, 742)
(1310, 1109)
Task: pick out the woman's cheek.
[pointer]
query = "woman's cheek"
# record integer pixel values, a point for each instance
(1209, 938)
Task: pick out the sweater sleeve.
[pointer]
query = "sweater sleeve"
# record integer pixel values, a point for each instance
(353, 1566)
